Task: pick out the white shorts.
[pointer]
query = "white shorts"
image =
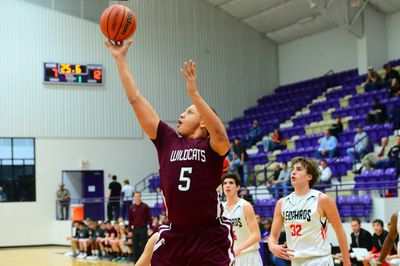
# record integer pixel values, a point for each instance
(313, 261)
(251, 258)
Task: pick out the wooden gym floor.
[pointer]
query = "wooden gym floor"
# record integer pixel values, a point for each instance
(46, 256)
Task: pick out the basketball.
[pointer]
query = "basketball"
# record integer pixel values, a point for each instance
(118, 22)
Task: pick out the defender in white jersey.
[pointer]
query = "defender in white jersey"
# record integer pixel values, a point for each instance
(245, 227)
(391, 237)
(305, 214)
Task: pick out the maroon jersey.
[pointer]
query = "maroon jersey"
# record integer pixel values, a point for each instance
(190, 173)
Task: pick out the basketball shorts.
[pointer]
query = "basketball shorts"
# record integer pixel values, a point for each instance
(313, 261)
(211, 245)
(252, 258)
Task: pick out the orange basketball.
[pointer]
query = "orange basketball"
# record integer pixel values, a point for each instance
(118, 22)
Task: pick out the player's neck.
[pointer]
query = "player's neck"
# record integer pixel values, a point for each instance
(301, 191)
(230, 201)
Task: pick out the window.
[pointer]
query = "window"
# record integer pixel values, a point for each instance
(17, 169)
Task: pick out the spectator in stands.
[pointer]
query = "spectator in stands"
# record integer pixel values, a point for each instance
(163, 219)
(281, 185)
(392, 79)
(394, 116)
(260, 224)
(374, 80)
(270, 143)
(139, 221)
(281, 241)
(3, 195)
(275, 175)
(264, 238)
(83, 240)
(378, 113)
(371, 158)
(360, 145)
(393, 157)
(226, 166)
(360, 238)
(245, 194)
(337, 127)
(328, 146)
(63, 200)
(155, 224)
(114, 198)
(254, 135)
(326, 172)
(240, 159)
(127, 193)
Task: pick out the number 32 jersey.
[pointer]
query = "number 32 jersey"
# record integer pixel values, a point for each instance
(190, 173)
(305, 228)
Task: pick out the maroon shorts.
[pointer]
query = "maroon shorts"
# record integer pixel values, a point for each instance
(211, 245)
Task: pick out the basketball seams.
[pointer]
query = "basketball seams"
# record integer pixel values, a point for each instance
(108, 20)
(120, 25)
(134, 21)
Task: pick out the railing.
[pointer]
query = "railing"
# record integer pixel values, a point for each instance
(144, 183)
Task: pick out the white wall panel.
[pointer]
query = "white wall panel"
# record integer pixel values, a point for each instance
(393, 34)
(315, 55)
(235, 67)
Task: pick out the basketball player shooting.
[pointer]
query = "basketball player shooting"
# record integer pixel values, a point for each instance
(305, 214)
(191, 163)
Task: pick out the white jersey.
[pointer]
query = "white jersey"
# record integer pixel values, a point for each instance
(305, 228)
(240, 228)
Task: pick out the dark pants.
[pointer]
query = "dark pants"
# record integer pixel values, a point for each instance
(125, 208)
(64, 211)
(139, 240)
(113, 207)
(378, 118)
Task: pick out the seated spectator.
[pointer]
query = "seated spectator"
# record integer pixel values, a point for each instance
(281, 185)
(328, 146)
(360, 238)
(240, 159)
(393, 159)
(270, 143)
(360, 145)
(3, 195)
(394, 116)
(337, 127)
(378, 238)
(83, 240)
(260, 224)
(392, 79)
(374, 80)
(371, 158)
(254, 135)
(326, 172)
(264, 238)
(378, 113)
(245, 194)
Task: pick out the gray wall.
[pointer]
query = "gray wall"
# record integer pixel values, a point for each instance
(235, 67)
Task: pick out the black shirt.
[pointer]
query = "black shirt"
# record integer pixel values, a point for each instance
(394, 152)
(393, 74)
(115, 188)
(363, 240)
(377, 241)
(336, 129)
(238, 150)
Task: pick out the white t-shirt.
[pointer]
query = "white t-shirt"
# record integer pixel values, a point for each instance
(128, 192)
(326, 173)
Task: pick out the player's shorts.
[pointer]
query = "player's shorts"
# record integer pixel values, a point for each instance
(210, 245)
(252, 258)
(313, 261)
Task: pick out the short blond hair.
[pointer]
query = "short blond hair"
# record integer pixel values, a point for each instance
(311, 166)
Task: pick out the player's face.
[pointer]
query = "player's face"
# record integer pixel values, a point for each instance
(189, 121)
(299, 176)
(230, 187)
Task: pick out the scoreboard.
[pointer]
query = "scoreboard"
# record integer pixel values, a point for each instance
(76, 74)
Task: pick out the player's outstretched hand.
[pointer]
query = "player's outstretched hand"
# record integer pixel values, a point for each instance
(190, 75)
(281, 251)
(118, 49)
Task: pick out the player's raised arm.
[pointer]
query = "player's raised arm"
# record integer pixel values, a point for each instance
(331, 212)
(219, 139)
(145, 113)
(387, 246)
(279, 251)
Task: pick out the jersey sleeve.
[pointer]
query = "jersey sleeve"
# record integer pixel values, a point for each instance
(164, 134)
